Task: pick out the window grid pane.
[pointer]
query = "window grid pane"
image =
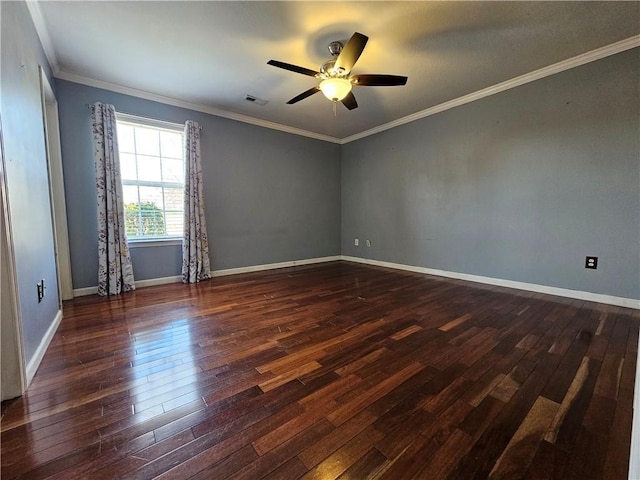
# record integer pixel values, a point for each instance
(153, 184)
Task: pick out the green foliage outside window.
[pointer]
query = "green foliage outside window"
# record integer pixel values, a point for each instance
(144, 219)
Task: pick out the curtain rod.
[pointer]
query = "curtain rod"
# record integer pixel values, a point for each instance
(155, 120)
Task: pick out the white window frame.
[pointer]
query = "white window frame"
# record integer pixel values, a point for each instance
(165, 240)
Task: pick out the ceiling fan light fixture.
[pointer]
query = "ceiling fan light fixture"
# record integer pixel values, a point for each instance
(335, 89)
(335, 76)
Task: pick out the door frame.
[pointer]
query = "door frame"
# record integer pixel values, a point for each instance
(13, 378)
(56, 188)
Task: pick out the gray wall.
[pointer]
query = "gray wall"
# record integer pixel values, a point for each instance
(270, 196)
(520, 186)
(26, 171)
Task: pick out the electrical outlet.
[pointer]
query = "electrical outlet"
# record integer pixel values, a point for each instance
(356, 242)
(591, 262)
(40, 289)
(368, 243)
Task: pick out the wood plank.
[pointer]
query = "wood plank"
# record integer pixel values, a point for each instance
(349, 409)
(346, 456)
(286, 377)
(620, 434)
(366, 467)
(455, 322)
(574, 389)
(493, 383)
(447, 456)
(354, 366)
(338, 370)
(406, 332)
(279, 456)
(548, 463)
(289, 429)
(522, 448)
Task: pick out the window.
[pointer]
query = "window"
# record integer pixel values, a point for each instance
(152, 170)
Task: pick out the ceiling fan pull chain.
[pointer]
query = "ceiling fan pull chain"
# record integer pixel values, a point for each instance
(334, 109)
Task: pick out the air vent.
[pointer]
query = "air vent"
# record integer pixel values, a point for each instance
(256, 100)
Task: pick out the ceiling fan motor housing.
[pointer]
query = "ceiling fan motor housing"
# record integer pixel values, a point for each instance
(335, 48)
(328, 70)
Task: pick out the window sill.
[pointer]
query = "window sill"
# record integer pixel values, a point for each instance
(155, 242)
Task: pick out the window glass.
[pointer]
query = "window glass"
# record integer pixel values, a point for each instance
(149, 168)
(171, 144)
(152, 171)
(172, 170)
(126, 141)
(147, 141)
(128, 170)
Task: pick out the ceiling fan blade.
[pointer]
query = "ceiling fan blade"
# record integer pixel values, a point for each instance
(378, 80)
(303, 95)
(350, 53)
(293, 68)
(350, 101)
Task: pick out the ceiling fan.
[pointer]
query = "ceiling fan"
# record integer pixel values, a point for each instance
(336, 81)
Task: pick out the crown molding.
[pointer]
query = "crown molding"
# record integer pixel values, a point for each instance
(547, 71)
(592, 56)
(43, 34)
(113, 87)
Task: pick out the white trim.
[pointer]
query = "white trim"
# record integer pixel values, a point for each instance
(634, 460)
(272, 266)
(43, 34)
(72, 77)
(56, 189)
(80, 292)
(158, 281)
(592, 56)
(36, 359)
(155, 242)
(11, 318)
(531, 287)
(547, 71)
(149, 122)
(84, 291)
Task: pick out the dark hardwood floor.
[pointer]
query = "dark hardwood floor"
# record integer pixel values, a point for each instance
(329, 371)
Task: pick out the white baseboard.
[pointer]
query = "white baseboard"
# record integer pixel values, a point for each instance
(634, 460)
(531, 287)
(158, 281)
(34, 363)
(272, 266)
(80, 292)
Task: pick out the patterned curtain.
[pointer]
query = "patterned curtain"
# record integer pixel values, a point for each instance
(195, 247)
(115, 272)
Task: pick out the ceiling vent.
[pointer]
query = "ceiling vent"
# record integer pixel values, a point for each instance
(256, 100)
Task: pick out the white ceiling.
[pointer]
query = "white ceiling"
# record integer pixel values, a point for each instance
(211, 54)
